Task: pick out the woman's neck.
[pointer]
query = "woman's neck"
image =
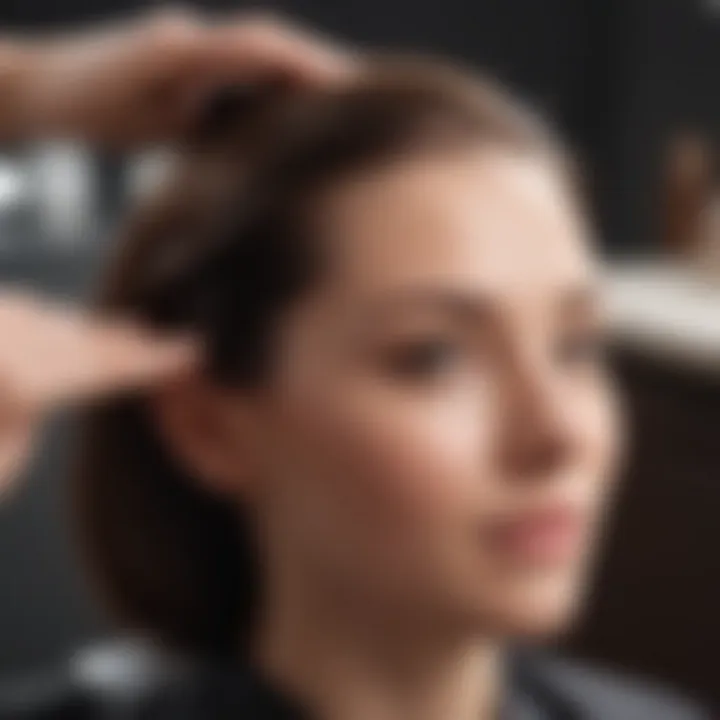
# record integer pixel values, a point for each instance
(348, 663)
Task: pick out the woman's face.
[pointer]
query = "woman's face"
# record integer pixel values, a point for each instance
(439, 435)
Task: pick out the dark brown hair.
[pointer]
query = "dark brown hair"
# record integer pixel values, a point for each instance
(222, 251)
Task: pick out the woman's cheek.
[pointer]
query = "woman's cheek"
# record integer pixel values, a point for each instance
(413, 453)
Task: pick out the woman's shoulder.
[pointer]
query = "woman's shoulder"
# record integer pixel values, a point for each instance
(601, 694)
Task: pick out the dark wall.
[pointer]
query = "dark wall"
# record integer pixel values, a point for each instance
(666, 70)
(655, 606)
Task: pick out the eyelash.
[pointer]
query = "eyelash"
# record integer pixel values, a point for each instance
(430, 358)
(424, 359)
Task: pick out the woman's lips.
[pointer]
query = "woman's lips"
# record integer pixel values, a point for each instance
(548, 535)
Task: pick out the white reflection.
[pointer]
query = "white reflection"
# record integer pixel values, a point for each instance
(62, 192)
(12, 185)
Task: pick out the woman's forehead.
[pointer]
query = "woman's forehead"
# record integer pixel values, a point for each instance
(492, 221)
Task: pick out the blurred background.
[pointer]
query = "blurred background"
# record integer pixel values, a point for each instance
(635, 85)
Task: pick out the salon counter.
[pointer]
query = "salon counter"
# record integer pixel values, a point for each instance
(666, 312)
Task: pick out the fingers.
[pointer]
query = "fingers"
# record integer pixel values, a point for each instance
(117, 357)
(204, 59)
(266, 46)
(97, 359)
(253, 50)
(242, 47)
(146, 81)
(52, 354)
(178, 61)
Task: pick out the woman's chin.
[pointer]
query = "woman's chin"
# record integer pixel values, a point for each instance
(540, 611)
(537, 625)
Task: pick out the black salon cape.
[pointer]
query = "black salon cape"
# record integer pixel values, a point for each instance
(541, 688)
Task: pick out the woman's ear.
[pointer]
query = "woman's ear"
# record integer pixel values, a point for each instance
(207, 430)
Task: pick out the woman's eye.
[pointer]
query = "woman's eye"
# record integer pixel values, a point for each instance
(424, 359)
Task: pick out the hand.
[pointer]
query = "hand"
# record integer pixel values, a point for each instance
(146, 81)
(51, 355)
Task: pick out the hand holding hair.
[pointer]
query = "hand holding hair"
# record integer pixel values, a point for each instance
(146, 81)
(52, 355)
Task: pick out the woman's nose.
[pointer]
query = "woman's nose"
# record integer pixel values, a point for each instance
(539, 433)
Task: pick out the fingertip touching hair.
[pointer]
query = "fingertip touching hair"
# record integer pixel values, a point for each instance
(221, 251)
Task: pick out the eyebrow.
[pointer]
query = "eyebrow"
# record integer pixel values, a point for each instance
(467, 306)
(478, 307)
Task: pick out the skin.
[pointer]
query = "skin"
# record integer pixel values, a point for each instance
(436, 395)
